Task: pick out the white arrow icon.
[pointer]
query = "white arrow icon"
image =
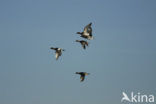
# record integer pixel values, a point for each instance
(125, 97)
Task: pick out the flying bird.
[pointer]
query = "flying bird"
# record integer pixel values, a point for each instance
(83, 43)
(58, 52)
(87, 32)
(82, 75)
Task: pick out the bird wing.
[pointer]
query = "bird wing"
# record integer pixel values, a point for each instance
(82, 78)
(84, 46)
(88, 29)
(56, 55)
(86, 43)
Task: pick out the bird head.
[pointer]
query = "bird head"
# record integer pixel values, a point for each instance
(77, 41)
(77, 73)
(79, 33)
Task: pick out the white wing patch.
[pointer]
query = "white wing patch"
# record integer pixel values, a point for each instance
(86, 34)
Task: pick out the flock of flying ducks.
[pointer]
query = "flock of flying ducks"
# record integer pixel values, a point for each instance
(86, 34)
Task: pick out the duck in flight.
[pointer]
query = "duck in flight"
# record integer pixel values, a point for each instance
(87, 32)
(82, 75)
(83, 43)
(58, 52)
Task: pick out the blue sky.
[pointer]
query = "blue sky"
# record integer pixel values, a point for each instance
(122, 57)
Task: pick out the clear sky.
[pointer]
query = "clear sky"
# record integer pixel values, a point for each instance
(122, 56)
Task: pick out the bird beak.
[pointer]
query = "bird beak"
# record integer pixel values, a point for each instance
(76, 40)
